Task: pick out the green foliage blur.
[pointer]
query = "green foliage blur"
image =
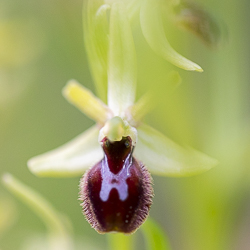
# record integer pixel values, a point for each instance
(41, 48)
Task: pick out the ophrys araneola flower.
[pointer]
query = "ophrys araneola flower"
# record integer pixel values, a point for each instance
(120, 150)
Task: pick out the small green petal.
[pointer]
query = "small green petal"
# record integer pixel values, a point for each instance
(95, 27)
(153, 30)
(89, 104)
(136, 112)
(164, 157)
(71, 159)
(121, 62)
(140, 109)
(174, 79)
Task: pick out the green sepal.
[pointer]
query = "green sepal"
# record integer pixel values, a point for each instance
(164, 157)
(70, 159)
(95, 27)
(154, 33)
(121, 61)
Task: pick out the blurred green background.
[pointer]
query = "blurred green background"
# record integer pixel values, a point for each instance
(41, 48)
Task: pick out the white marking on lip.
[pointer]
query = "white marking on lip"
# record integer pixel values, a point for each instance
(117, 181)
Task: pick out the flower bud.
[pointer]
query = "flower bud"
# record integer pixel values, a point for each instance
(196, 19)
(117, 192)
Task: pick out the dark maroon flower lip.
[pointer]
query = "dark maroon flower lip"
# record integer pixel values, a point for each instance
(118, 154)
(117, 192)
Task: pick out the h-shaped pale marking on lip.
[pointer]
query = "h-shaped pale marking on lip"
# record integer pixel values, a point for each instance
(117, 181)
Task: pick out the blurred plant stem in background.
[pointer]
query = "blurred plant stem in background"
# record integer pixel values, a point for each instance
(8, 215)
(155, 238)
(120, 241)
(58, 226)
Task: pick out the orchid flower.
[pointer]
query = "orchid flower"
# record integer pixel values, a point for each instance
(117, 154)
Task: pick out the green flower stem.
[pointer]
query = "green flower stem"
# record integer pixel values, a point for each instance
(120, 241)
(154, 236)
(58, 232)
